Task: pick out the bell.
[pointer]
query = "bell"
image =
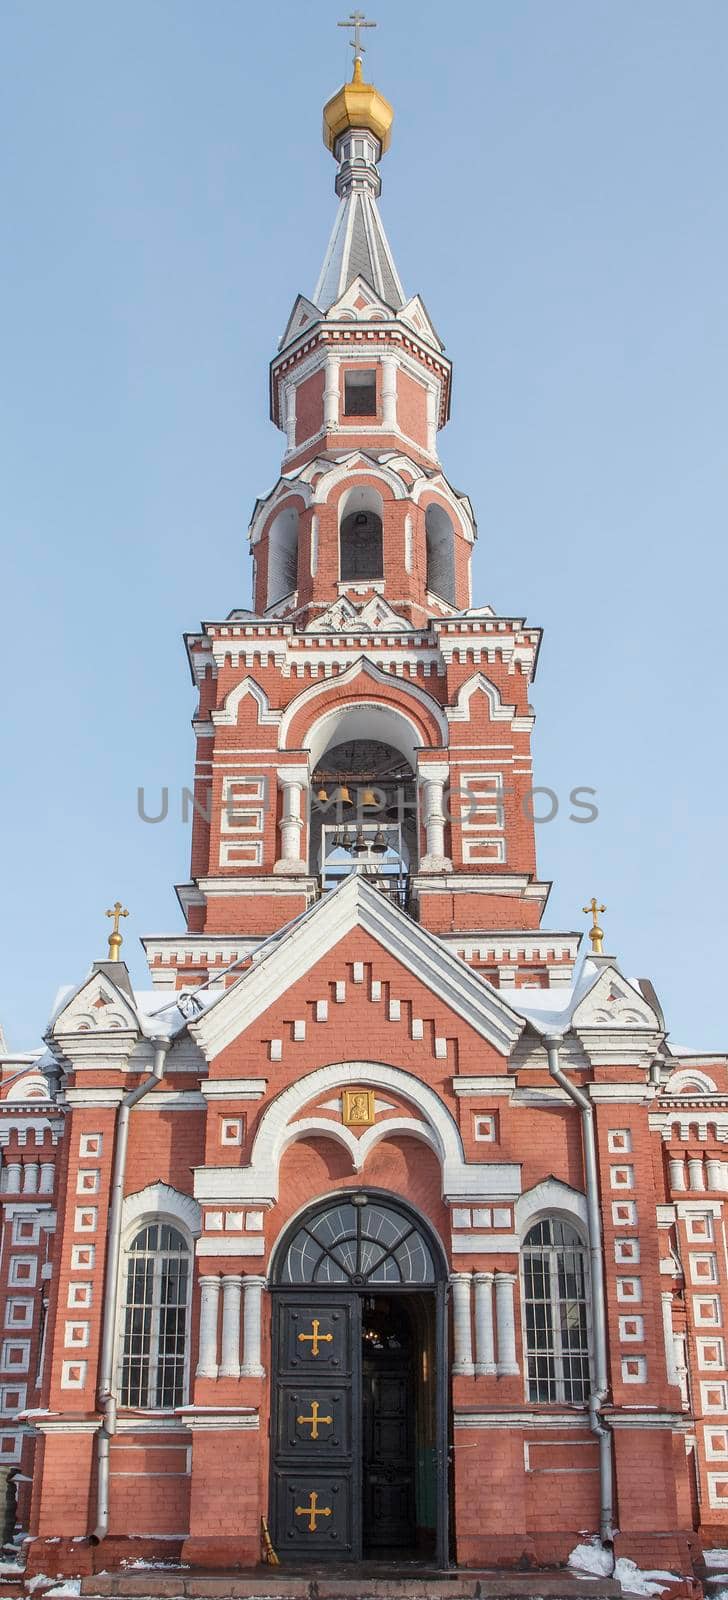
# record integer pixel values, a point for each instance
(360, 845)
(342, 796)
(346, 840)
(322, 796)
(337, 841)
(379, 844)
(367, 797)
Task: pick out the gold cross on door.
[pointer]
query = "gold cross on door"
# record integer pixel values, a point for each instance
(315, 1338)
(314, 1420)
(312, 1511)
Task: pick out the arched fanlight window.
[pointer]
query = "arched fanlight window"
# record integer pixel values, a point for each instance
(555, 1313)
(361, 1244)
(155, 1318)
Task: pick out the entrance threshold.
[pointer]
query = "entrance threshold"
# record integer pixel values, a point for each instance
(373, 1579)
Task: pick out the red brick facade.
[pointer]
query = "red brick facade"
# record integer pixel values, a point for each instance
(424, 984)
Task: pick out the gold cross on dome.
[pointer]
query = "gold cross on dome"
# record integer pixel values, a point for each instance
(596, 934)
(315, 1338)
(115, 939)
(312, 1511)
(356, 21)
(315, 1419)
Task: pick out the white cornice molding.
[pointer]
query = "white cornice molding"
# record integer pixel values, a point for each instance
(234, 1088)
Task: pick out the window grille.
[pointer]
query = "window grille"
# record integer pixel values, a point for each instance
(155, 1318)
(555, 1313)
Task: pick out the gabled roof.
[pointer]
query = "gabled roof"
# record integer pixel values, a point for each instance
(284, 959)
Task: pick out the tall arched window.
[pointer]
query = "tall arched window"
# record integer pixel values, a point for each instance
(555, 1313)
(155, 1318)
(440, 542)
(282, 556)
(361, 550)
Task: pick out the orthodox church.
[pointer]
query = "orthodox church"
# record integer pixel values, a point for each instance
(383, 1226)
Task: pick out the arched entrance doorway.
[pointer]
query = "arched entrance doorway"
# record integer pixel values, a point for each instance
(359, 1384)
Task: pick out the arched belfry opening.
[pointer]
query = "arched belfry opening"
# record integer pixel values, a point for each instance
(364, 813)
(361, 543)
(440, 543)
(360, 1383)
(282, 556)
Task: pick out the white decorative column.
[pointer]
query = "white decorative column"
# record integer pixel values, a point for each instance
(314, 544)
(433, 779)
(484, 1340)
(47, 1174)
(252, 1309)
(14, 1171)
(291, 416)
(209, 1302)
(31, 1174)
(697, 1175)
(408, 544)
(673, 1375)
(677, 1173)
(432, 421)
(331, 393)
(505, 1319)
(463, 1338)
(232, 1293)
(292, 780)
(389, 393)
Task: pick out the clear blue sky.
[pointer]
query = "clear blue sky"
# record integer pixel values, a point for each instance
(556, 191)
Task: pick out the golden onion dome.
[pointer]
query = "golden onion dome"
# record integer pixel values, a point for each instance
(357, 105)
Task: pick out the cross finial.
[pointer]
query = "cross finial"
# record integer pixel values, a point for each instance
(596, 934)
(115, 939)
(356, 21)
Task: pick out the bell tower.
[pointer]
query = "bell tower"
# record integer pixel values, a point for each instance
(364, 715)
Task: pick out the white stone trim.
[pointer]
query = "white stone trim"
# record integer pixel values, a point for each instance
(685, 1078)
(551, 1198)
(359, 1148)
(226, 715)
(382, 679)
(156, 1200)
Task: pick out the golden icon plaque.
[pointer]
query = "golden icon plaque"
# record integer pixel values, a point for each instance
(357, 1108)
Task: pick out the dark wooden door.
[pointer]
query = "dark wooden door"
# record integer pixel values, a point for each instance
(316, 1426)
(388, 1465)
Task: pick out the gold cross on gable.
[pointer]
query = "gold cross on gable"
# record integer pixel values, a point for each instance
(356, 21)
(596, 934)
(312, 1511)
(314, 1420)
(115, 939)
(314, 1338)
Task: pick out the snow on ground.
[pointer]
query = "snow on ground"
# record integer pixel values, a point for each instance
(593, 1561)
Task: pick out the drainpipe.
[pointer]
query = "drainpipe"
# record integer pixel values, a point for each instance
(106, 1395)
(600, 1386)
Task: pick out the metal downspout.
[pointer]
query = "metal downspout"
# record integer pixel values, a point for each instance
(106, 1395)
(600, 1386)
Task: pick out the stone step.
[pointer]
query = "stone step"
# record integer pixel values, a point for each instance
(269, 1583)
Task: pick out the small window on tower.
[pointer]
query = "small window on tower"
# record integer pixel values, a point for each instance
(360, 393)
